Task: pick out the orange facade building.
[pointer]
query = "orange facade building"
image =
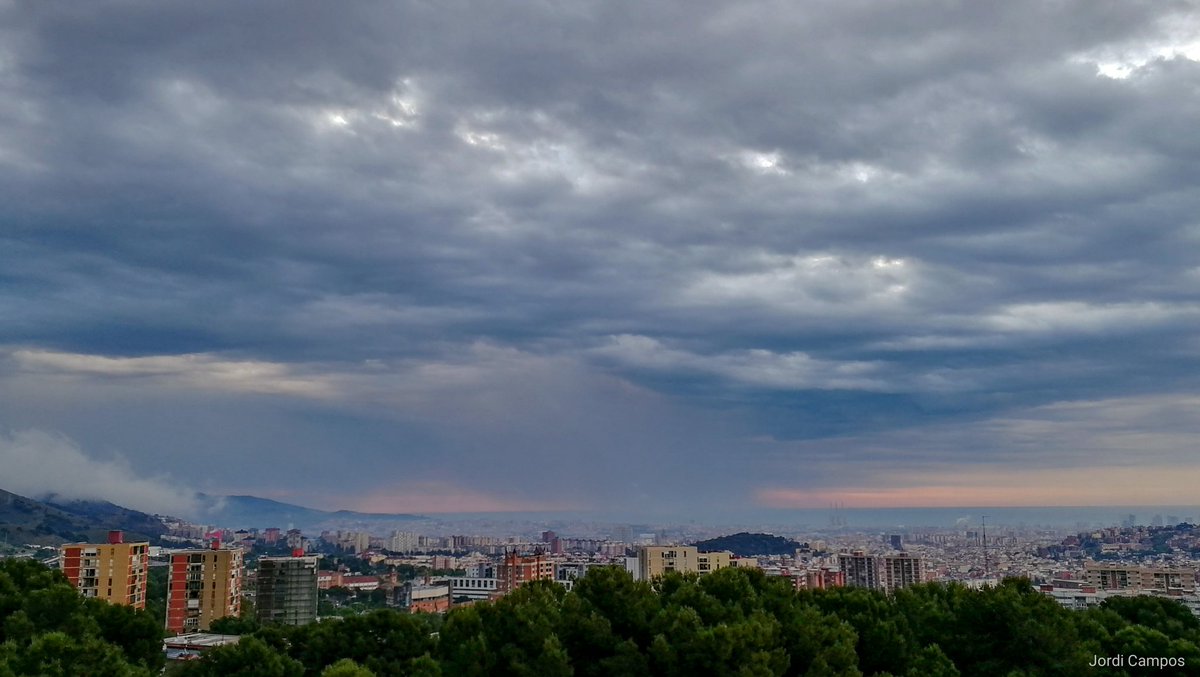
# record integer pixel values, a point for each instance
(203, 585)
(114, 571)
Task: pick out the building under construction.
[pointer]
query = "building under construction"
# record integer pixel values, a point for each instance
(286, 590)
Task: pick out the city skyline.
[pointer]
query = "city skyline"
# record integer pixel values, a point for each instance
(688, 257)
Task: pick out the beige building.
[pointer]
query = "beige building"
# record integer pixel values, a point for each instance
(881, 572)
(114, 571)
(1128, 577)
(901, 571)
(656, 560)
(203, 585)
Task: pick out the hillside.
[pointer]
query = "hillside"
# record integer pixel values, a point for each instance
(25, 520)
(107, 516)
(745, 544)
(238, 512)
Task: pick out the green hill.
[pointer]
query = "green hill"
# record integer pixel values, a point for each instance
(746, 544)
(251, 511)
(25, 520)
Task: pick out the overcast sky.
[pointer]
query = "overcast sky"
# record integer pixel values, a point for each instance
(674, 255)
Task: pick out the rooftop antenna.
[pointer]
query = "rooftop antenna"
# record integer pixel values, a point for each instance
(985, 552)
(836, 518)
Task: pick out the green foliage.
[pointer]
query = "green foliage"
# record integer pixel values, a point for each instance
(462, 647)
(156, 593)
(730, 622)
(932, 662)
(998, 630)
(628, 605)
(49, 629)
(819, 644)
(250, 657)
(57, 654)
(234, 625)
(137, 633)
(346, 668)
(385, 642)
(1166, 615)
(738, 622)
(885, 642)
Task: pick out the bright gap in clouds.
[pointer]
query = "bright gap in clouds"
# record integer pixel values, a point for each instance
(1123, 64)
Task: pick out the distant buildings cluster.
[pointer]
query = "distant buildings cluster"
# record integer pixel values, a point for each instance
(208, 583)
(202, 584)
(205, 584)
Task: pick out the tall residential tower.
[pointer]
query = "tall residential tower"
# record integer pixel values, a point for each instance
(114, 571)
(203, 585)
(287, 590)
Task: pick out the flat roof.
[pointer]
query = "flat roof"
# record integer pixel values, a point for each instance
(200, 640)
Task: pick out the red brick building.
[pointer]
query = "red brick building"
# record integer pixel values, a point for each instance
(516, 570)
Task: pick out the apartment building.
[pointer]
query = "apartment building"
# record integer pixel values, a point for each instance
(516, 570)
(115, 571)
(202, 586)
(287, 590)
(1124, 576)
(881, 572)
(656, 560)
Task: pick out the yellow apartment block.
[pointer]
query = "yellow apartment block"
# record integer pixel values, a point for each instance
(203, 585)
(656, 560)
(113, 571)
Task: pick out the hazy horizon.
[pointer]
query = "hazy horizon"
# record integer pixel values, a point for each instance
(850, 518)
(815, 518)
(679, 256)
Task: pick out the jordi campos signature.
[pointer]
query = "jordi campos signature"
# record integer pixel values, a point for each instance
(1136, 661)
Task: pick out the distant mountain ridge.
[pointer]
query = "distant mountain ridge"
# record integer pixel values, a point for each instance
(56, 520)
(245, 512)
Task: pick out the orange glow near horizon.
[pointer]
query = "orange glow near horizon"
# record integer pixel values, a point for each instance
(1005, 488)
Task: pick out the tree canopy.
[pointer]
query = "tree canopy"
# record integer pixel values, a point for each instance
(730, 622)
(740, 622)
(48, 628)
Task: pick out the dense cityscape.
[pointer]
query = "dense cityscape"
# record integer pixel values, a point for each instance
(209, 587)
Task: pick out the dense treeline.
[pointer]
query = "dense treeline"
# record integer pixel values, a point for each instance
(47, 628)
(731, 622)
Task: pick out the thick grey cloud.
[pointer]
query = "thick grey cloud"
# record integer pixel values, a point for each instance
(39, 464)
(558, 253)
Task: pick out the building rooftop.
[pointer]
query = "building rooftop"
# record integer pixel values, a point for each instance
(199, 640)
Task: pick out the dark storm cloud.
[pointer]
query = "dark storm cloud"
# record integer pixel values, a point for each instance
(787, 222)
